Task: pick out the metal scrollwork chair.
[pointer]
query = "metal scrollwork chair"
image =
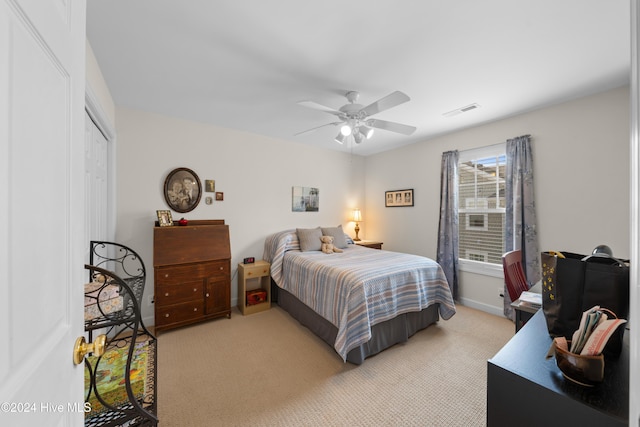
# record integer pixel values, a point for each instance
(123, 261)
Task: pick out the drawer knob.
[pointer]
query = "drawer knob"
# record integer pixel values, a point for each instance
(221, 268)
(166, 294)
(207, 295)
(166, 315)
(166, 275)
(195, 289)
(195, 309)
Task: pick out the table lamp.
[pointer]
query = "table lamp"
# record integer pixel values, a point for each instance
(357, 217)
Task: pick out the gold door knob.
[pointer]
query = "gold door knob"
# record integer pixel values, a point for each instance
(81, 348)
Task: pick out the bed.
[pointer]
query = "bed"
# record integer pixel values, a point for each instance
(360, 301)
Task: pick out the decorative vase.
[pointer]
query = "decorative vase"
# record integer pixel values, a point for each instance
(183, 221)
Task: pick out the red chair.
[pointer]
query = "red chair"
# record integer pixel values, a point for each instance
(514, 276)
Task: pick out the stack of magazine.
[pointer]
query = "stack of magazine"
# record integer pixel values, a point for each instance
(594, 332)
(531, 299)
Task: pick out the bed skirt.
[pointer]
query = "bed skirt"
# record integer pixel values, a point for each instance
(383, 335)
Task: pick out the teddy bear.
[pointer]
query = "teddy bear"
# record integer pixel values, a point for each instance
(327, 245)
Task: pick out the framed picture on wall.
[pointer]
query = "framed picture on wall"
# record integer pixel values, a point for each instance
(398, 198)
(182, 190)
(305, 199)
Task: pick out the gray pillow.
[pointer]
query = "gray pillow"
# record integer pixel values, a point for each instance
(309, 239)
(339, 240)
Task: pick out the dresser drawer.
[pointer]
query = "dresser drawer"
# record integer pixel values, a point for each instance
(179, 312)
(259, 269)
(167, 294)
(216, 268)
(187, 273)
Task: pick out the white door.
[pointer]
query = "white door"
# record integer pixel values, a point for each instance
(96, 183)
(42, 80)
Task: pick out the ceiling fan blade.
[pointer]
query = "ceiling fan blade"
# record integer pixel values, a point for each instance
(392, 126)
(389, 101)
(317, 127)
(316, 106)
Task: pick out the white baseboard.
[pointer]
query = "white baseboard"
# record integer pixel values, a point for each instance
(498, 311)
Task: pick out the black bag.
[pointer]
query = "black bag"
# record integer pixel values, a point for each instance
(573, 283)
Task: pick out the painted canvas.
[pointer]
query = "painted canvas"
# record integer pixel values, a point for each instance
(305, 199)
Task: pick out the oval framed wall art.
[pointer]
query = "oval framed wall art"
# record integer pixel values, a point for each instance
(182, 190)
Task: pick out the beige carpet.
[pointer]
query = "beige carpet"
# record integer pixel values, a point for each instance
(268, 370)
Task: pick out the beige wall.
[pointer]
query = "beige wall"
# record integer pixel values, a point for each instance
(254, 172)
(582, 166)
(581, 158)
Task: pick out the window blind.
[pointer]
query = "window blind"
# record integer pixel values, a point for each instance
(481, 201)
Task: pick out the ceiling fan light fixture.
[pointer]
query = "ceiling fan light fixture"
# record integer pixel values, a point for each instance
(366, 131)
(355, 119)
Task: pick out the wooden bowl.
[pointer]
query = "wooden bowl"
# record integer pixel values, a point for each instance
(584, 370)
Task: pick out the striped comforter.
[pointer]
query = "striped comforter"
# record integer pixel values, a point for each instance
(358, 288)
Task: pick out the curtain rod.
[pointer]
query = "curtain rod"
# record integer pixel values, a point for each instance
(522, 136)
(491, 145)
(498, 143)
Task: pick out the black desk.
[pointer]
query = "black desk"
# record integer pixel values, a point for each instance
(525, 389)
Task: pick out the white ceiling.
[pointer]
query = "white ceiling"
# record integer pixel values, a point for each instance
(244, 64)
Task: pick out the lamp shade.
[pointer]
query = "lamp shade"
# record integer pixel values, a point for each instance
(340, 138)
(366, 131)
(356, 215)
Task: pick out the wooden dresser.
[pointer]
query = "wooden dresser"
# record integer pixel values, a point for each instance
(192, 269)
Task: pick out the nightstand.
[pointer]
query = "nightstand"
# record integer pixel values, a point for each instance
(252, 277)
(369, 244)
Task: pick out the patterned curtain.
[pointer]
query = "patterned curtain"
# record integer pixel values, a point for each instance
(520, 222)
(448, 227)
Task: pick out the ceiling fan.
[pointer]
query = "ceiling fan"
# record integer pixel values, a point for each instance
(355, 118)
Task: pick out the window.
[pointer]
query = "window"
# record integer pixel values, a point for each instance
(481, 201)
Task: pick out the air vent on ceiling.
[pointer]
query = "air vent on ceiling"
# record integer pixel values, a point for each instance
(461, 110)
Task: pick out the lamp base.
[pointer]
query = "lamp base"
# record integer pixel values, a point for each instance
(357, 230)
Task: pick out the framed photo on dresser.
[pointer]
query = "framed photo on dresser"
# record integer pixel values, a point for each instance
(164, 218)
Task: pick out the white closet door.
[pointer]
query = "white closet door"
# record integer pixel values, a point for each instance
(96, 182)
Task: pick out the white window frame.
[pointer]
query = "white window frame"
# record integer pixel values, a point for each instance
(483, 268)
(478, 267)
